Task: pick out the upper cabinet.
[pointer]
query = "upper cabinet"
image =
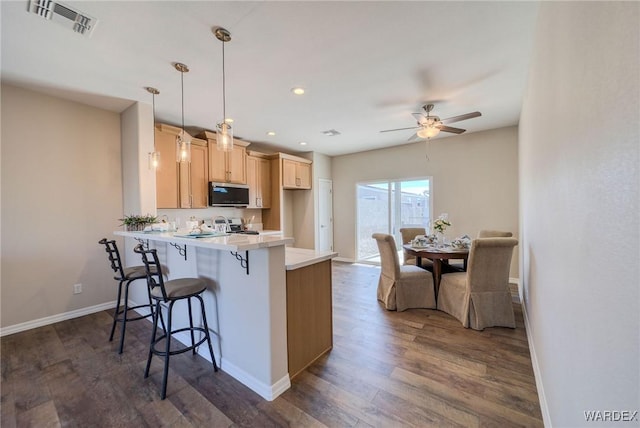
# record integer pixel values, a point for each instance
(197, 193)
(167, 173)
(296, 173)
(180, 185)
(226, 167)
(259, 180)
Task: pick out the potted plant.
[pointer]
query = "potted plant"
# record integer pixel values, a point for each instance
(135, 222)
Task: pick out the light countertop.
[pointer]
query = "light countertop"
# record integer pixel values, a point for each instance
(296, 258)
(231, 242)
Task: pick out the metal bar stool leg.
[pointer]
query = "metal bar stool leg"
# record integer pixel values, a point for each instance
(117, 312)
(167, 353)
(206, 333)
(125, 314)
(156, 314)
(193, 340)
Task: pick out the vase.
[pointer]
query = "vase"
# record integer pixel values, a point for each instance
(441, 240)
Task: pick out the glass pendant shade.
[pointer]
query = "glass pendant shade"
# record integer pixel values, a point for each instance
(224, 138)
(183, 147)
(154, 160)
(154, 156)
(428, 132)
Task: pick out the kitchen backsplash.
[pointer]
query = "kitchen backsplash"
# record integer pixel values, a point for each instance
(180, 216)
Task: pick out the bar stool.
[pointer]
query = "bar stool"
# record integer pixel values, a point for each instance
(170, 292)
(124, 276)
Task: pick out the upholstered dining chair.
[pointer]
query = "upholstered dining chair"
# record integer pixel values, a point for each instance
(408, 234)
(480, 297)
(494, 234)
(402, 287)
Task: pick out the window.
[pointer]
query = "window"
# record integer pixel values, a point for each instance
(386, 207)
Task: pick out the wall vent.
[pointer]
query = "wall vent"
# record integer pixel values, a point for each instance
(54, 11)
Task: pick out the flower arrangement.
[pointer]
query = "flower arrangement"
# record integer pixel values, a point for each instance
(441, 223)
(134, 222)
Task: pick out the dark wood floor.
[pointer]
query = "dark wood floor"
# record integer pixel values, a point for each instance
(414, 368)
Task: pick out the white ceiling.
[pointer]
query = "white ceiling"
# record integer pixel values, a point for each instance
(366, 66)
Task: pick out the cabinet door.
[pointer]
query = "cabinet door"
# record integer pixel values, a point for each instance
(253, 164)
(303, 175)
(199, 176)
(264, 171)
(217, 165)
(236, 165)
(289, 174)
(167, 171)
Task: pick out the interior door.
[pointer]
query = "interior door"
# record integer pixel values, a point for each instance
(325, 215)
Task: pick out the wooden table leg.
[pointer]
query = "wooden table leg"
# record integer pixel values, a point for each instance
(437, 274)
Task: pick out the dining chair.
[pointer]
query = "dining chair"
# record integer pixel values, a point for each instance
(402, 287)
(480, 297)
(408, 234)
(494, 234)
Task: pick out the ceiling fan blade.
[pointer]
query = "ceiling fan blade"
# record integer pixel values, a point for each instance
(419, 117)
(413, 137)
(451, 129)
(461, 117)
(400, 129)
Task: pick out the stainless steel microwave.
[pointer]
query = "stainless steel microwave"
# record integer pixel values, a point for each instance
(228, 195)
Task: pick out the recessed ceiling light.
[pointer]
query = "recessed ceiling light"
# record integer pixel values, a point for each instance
(271, 133)
(298, 91)
(303, 143)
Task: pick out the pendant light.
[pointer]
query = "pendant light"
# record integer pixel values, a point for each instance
(183, 140)
(224, 130)
(154, 156)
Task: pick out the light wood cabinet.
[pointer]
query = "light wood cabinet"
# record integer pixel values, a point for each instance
(167, 173)
(196, 193)
(296, 174)
(180, 185)
(226, 167)
(309, 315)
(259, 180)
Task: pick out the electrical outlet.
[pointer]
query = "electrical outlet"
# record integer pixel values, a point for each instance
(77, 288)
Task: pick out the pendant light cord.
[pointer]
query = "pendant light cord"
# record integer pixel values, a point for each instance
(182, 91)
(224, 95)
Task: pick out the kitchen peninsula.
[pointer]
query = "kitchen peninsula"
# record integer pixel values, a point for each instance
(246, 300)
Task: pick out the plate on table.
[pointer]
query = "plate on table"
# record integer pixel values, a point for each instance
(202, 235)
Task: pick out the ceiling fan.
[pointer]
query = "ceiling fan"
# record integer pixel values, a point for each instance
(430, 126)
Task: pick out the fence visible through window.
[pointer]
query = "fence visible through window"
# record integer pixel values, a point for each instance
(386, 206)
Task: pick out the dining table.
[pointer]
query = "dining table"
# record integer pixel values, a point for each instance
(439, 255)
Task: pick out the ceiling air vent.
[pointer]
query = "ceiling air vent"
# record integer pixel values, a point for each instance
(331, 133)
(57, 12)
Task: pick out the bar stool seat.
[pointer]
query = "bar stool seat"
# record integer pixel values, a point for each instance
(170, 292)
(125, 276)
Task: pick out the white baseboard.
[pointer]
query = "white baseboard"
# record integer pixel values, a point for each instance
(344, 259)
(544, 408)
(268, 392)
(16, 328)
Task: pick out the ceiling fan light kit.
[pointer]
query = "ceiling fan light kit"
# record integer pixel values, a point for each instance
(224, 130)
(430, 126)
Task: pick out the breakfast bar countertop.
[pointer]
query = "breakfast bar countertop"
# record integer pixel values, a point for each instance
(231, 242)
(296, 258)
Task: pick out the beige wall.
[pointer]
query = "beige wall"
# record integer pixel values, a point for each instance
(579, 161)
(61, 193)
(475, 181)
